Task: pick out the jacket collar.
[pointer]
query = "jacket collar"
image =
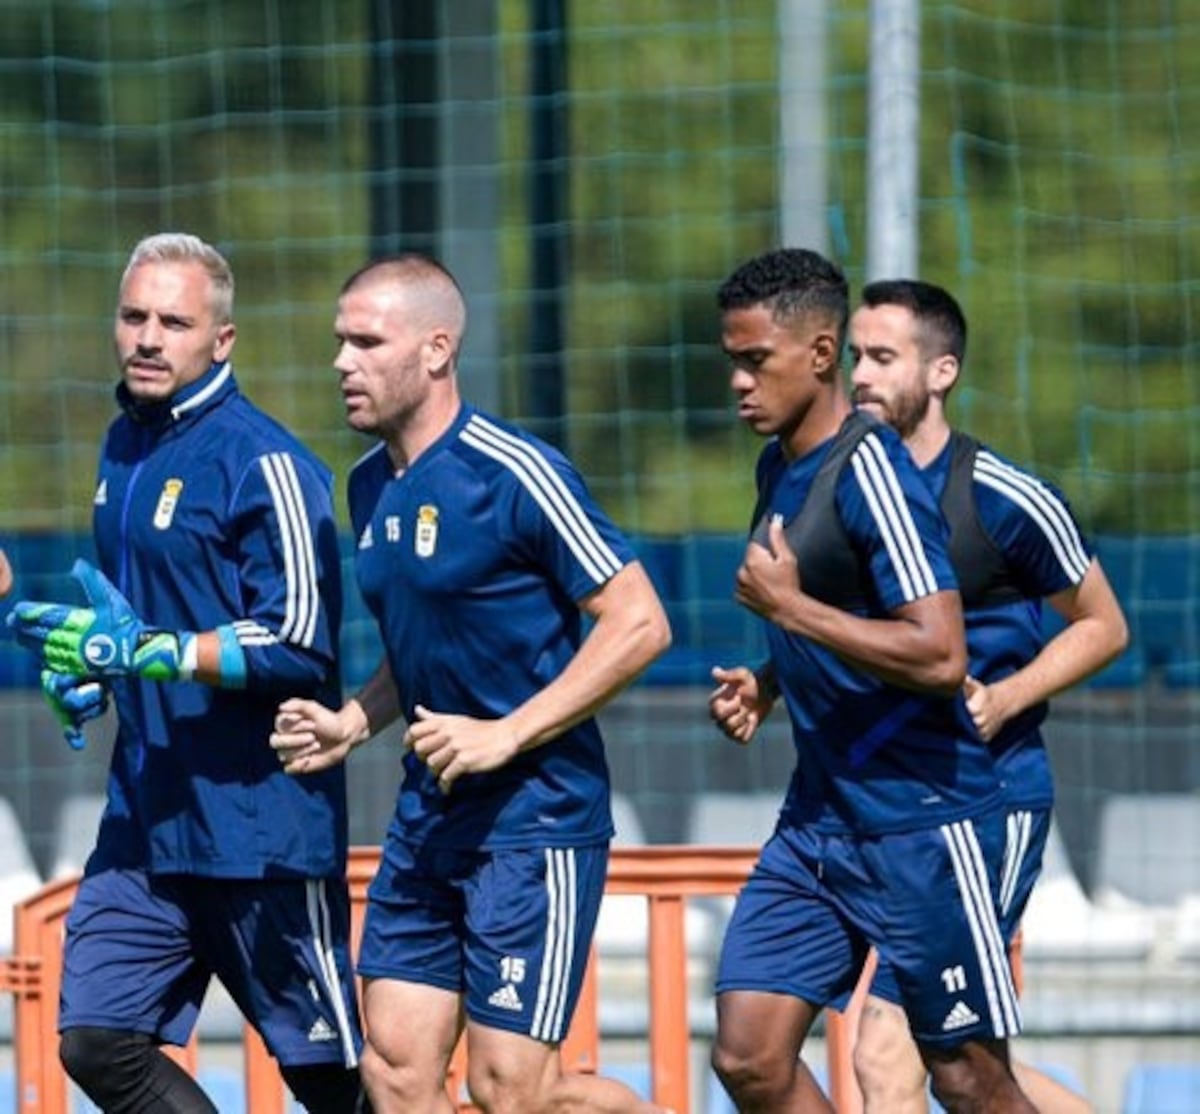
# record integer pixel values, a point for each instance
(195, 398)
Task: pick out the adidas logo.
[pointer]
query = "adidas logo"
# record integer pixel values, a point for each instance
(506, 998)
(366, 538)
(321, 1031)
(101, 496)
(961, 1015)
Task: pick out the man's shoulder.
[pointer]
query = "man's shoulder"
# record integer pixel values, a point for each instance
(248, 432)
(862, 434)
(507, 450)
(1016, 485)
(871, 456)
(987, 461)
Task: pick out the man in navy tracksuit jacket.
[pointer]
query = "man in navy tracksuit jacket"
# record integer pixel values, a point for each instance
(218, 593)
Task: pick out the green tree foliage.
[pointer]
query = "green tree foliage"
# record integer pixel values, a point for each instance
(1057, 153)
(1059, 173)
(240, 122)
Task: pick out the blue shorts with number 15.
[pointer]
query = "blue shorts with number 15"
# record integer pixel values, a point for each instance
(508, 929)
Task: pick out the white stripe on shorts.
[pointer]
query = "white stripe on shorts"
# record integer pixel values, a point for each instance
(559, 953)
(322, 942)
(1016, 847)
(971, 874)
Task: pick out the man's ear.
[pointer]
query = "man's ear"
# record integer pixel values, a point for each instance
(440, 348)
(943, 374)
(827, 353)
(223, 345)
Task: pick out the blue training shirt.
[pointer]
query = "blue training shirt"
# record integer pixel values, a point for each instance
(208, 512)
(473, 561)
(1031, 525)
(871, 757)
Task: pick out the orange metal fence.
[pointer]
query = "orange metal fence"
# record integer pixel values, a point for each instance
(666, 876)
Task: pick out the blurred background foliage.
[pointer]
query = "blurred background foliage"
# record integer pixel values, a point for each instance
(1059, 184)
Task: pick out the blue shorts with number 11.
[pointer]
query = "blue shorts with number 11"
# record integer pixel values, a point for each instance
(817, 901)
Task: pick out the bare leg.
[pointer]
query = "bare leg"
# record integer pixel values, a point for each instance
(975, 1078)
(411, 1034)
(509, 1073)
(892, 1075)
(756, 1055)
(887, 1063)
(1047, 1094)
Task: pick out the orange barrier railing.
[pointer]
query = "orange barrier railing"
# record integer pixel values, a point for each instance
(666, 876)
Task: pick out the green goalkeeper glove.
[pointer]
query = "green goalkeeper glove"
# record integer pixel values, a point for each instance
(74, 701)
(104, 640)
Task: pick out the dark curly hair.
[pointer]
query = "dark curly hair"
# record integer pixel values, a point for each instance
(790, 282)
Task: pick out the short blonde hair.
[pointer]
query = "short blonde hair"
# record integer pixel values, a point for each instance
(183, 247)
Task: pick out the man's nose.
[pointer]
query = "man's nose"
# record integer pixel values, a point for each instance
(149, 337)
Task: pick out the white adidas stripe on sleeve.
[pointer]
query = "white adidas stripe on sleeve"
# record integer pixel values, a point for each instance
(885, 499)
(551, 494)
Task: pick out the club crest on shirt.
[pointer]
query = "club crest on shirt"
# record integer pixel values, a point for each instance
(167, 501)
(425, 540)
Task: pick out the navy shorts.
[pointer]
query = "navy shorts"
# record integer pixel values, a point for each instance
(1025, 842)
(1027, 831)
(509, 930)
(816, 902)
(141, 949)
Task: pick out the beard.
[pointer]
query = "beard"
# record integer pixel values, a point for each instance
(904, 412)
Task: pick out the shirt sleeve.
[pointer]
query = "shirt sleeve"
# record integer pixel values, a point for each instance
(289, 574)
(890, 512)
(559, 527)
(1031, 522)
